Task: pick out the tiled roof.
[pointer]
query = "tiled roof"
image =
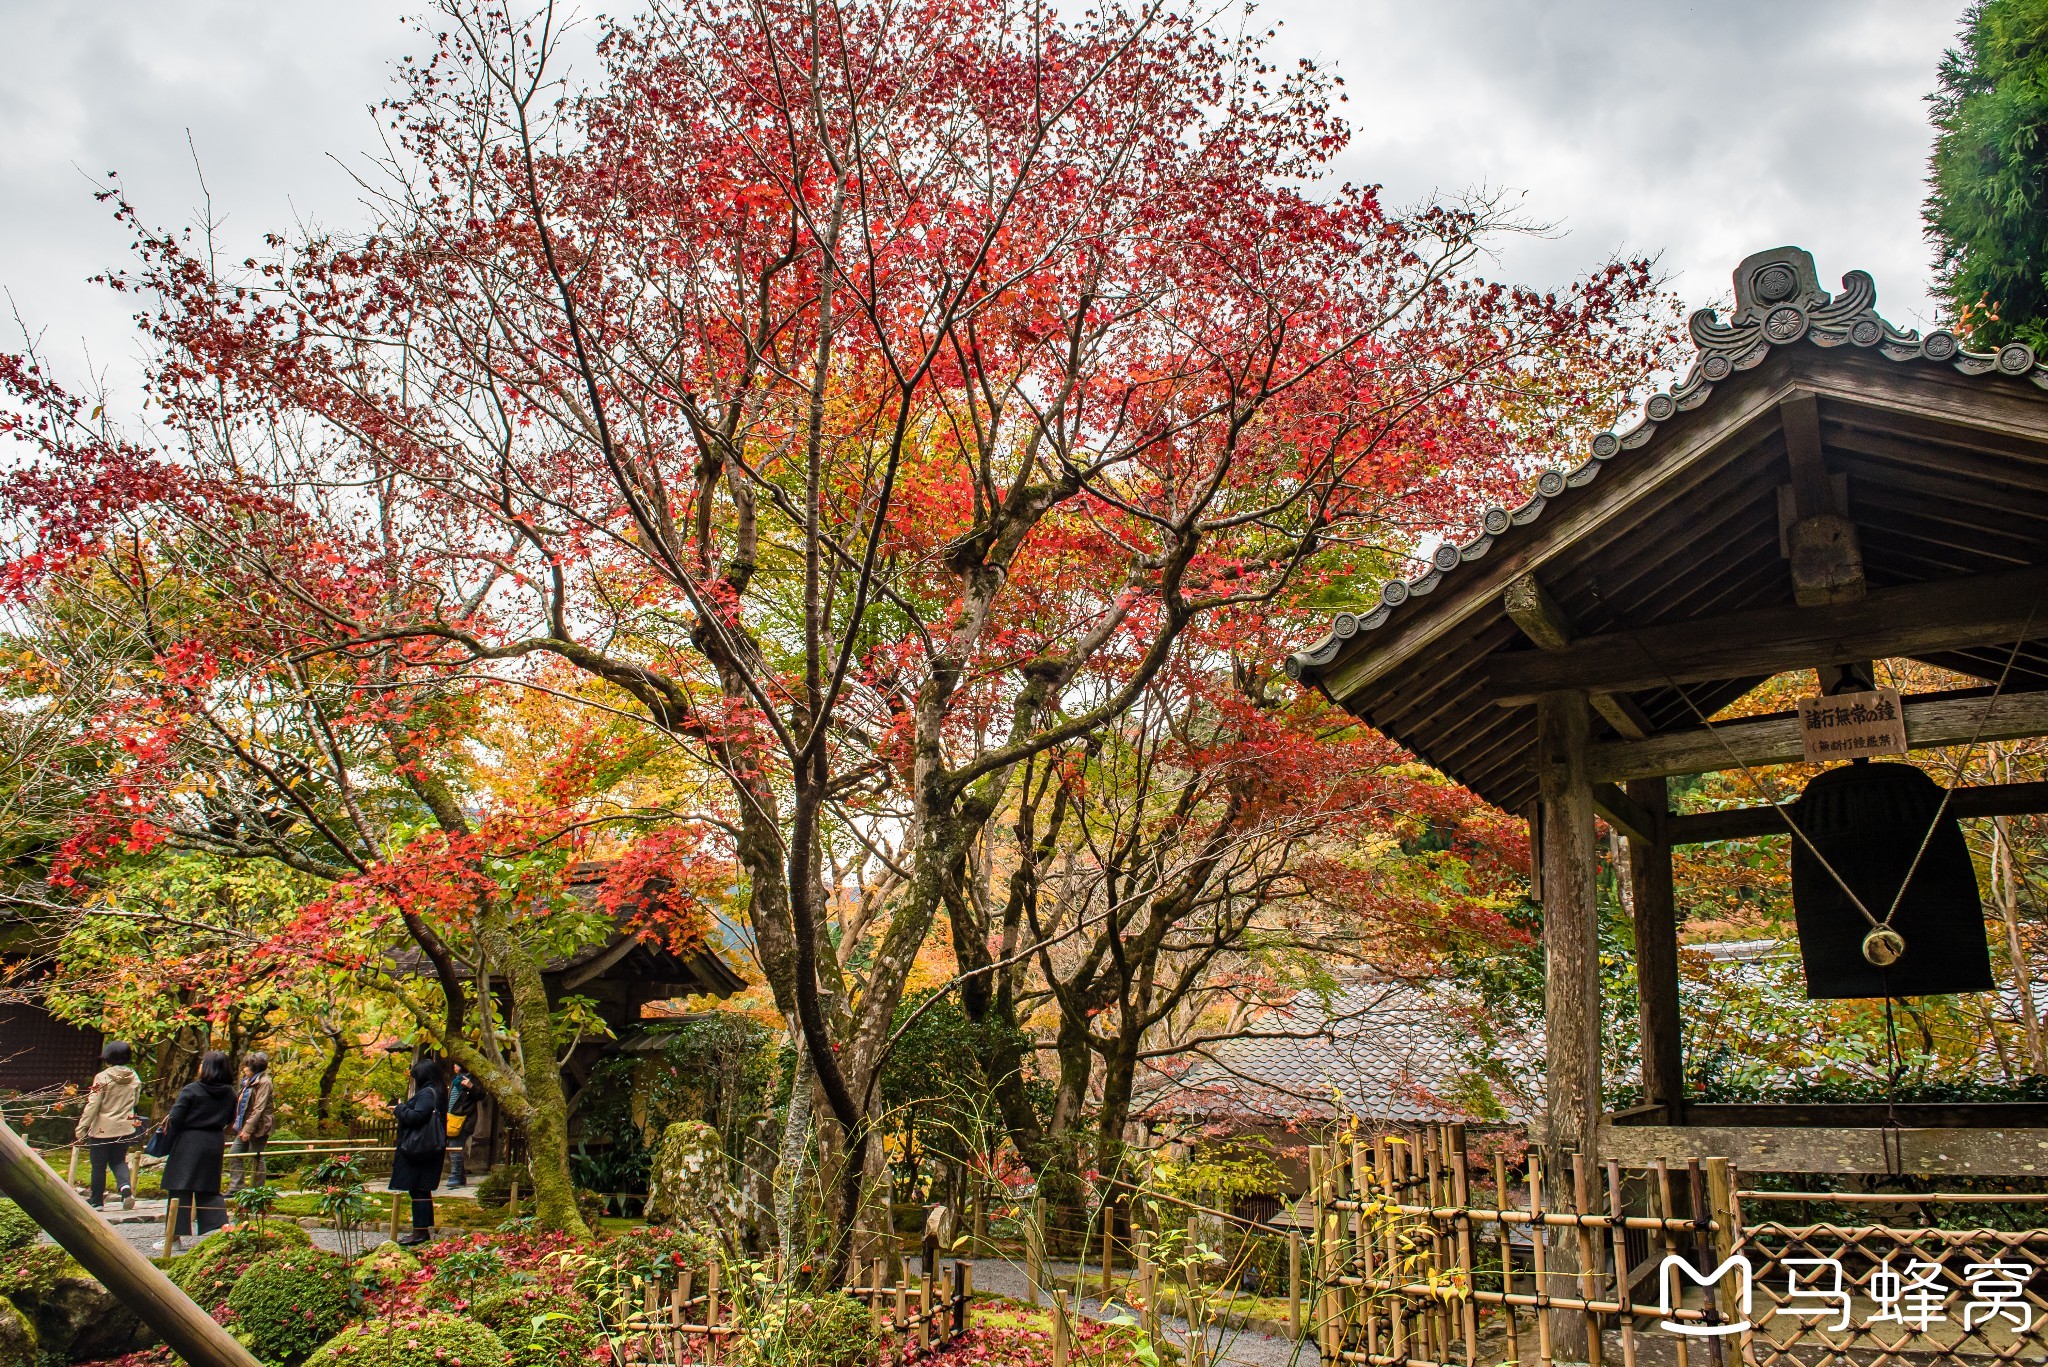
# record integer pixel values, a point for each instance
(1779, 301)
(1383, 1051)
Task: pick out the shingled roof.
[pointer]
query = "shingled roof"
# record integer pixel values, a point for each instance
(1384, 1051)
(1678, 516)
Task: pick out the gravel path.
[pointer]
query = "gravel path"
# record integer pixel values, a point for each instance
(1230, 1347)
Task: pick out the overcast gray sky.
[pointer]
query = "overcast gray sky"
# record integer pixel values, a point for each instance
(1700, 132)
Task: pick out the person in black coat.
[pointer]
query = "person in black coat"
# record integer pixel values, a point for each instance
(197, 1127)
(422, 1143)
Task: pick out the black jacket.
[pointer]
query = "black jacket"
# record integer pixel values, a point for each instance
(198, 1120)
(462, 1095)
(419, 1121)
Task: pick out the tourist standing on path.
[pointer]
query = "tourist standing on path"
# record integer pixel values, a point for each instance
(255, 1117)
(462, 1090)
(107, 1124)
(197, 1127)
(422, 1142)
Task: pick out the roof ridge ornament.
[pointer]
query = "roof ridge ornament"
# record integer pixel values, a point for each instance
(1778, 301)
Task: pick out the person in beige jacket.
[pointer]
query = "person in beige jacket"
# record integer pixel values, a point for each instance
(107, 1124)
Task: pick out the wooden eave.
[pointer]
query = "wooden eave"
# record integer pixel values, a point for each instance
(1947, 476)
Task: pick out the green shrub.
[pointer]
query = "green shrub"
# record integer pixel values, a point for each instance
(790, 1329)
(29, 1274)
(290, 1302)
(16, 1229)
(386, 1265)
(539, 1325)
(464, 1273)
(217, 1262)
(429, 1341)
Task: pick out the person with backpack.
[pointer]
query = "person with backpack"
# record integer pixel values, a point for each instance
(107, 1124)
(462, 1098)
(421, 1144)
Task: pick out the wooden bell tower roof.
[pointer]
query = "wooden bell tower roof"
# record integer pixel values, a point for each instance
(1822, 488)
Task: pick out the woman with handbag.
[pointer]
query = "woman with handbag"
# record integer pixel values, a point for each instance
(195, 1135)
(108, 1123)
(422, 1141)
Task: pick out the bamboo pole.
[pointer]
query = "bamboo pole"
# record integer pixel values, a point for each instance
(1108, 1248)
(1034, 1249)
(136, 1282)
(396, 1198)
(1662, 1191)
(1538, 1269)
(1461, 1194)
(1589, 1259)
(1059, 1329)
(1627, 1316)
(1507, 1256)
(711, 1313)
(171, 1222)
(1294, 1284)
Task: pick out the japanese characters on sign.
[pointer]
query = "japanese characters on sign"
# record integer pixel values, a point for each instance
(1852, 725)
(1916, 1296)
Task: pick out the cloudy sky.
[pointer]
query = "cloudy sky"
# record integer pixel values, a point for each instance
(1698, 132)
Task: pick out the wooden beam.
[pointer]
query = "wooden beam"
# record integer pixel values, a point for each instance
(1821, 542)
(1537, 615)
(1626, 815)
(1947, 614)
(1749, 823)
(136, 1282)
(1654, 906)
(1571, 937)
(1930, 723)
(1799, 1148)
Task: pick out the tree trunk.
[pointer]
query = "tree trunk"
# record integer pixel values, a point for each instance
(338, 1054)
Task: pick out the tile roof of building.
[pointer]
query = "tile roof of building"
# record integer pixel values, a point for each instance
(1381, 1050)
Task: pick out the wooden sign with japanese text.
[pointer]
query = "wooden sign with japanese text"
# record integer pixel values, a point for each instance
(1852, 725)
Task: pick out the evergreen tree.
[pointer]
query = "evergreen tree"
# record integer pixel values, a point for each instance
(1987, 209)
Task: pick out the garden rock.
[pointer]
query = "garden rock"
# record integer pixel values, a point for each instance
(78, 1320)
(688, 1186)
(17, 1337)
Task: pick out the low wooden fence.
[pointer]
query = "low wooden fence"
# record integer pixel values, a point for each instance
(1666, 1263)
(691, 1320)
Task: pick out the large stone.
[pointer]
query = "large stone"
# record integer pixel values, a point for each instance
(386, 1265)
(17, 1337)
(78, 1320)
(688, 1186)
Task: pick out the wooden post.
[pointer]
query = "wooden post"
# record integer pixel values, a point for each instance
(1059, 1329)
(901, 1322)
(136, 1283)
(1571, 941)
(1656, 926)
(1571, 955)
(514, 1207)
(397, 1201)
(875, 1295)
(171, 1222)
